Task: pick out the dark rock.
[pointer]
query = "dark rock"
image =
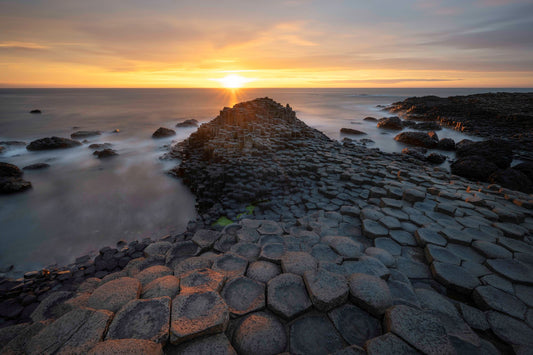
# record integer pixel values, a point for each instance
(446, 144)
(497, 151)
(105, 153)
(394, 123)
(36, 111)
(260, 333)
(188, 123)
(351, 131)
(36, 166)
(84, 134)
(372, 119)
(355, 325)
(9, 171)
(244, 295)
(419, 139)
(163, 132)
(473, 167)
(314, 334)
(128, 346)
(52, 143)
(388, 344)
(435, 158)
(10, 179)
(100, 146)
(416, 152)
(513, 179)
(287, 296)
(525, 168)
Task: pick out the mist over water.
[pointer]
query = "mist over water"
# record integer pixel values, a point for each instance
(81, 203)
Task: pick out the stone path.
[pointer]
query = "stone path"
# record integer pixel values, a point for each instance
(378, 256)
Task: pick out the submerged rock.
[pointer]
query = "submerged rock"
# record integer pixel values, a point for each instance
(163, 132)
(188, 123)
(84, 134)
(419, 139)
(11, 179)
(36, 166)
(36, 111)
(351, 131)
(105, 153)
(394, 123)
(52, 143)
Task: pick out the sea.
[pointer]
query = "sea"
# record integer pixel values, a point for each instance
(81, 204)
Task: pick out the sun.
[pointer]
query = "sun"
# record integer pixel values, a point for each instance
(234, 81)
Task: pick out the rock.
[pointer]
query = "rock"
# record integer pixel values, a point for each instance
(179, 252)
(75, 332)
(382, 255)
(105, 153)
(431, 300)
(388, 344)
(497, 151)
(249, 251)
(244, 295)
(127, 346)
(314, 334)
(142, 319)
(514, 270)
(260, 333)
(372, 119)
(373, 229)
(394, 123)
(415, 152)
(418, 139)
(346, 247)
(10, 332)
(52, 143)
(488, 297)
(164, 286)
(205, 238)
(263, 271)
(197, 314)
(352, 131)
(163, 132)
(36, 166)
(114, 294)
(473, 316)
(512, 179)
(454, 277)
(192, 263)
(367, 265)
(84, 134)
(491, 251)
(36, 111)
(298, 263)
(52, 307)
(15, 338)
(202, 280)
(525, 168)
(355, 325)
(272, 252)
(426, 236)
(413, 195)
(436, 253)
(509, 329)
(100, 146)
(212, 344)
(436, 159)
(270, 228)
(153, 272)
(370, 293)
(420, 329)
(326, 290)
(188, 123)
(157, 249)
(446, 144)
(473, 167)
(230, 265)
(287, 296)
(10, 179)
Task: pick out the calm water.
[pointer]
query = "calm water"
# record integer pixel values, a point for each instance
(81, 204)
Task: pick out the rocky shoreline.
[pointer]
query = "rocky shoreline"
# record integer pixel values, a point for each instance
(303, 245)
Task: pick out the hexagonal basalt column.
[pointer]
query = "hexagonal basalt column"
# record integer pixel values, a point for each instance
(244, 295)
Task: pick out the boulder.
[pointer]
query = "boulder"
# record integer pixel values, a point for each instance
(473, 167)
(188, 123)
(36, 166)
(114, 294)
(105, 153)
(84, 134)
(163, 132)
(351, 131)
(525, 168)
(513, 179)
(36, 111)
(260, 333)
(497, 151)
(9, 171)
(446, 144)
(11, 179)
(435, 158)
(419, 139)
(372, 119)
(100, 146)
(52, 143)
(394, 123)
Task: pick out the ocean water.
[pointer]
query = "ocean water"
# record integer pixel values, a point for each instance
(81, 203)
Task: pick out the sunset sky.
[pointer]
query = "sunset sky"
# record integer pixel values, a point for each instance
(291, 43)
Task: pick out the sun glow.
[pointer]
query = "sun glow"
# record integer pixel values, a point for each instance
(233, 81)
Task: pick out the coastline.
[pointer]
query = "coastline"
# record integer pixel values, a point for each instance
(310, 189)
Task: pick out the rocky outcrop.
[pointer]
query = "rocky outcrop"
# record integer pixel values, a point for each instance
(188, 123)
(84, 134)
(105, 153)
(52, 143)
(36, 166)
(394, 123)
(352, 131)
(418, 139)
(163, 132)
(36, 111)
(11, 179)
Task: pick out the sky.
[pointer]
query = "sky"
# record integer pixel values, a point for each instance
(274, 43)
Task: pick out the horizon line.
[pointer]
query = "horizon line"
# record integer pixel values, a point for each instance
(262, 88)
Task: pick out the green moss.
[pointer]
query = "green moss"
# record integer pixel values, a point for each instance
(223, 221)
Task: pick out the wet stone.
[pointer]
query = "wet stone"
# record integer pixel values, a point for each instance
(212, 344)
(420, 329)
(272, 252)
(326, 290)
(389, 344)
(370, 293)
(373, 229)
(426, 236)
(491, 251)
(454, 277)
(163, 286)
(314, 334)
(298, 263)
(249, 251)
(142, 319)
(263, 271)
(403, 237)
(202, 280)
(355, 325)
(197, 314)
(114, 294)
(488, 297)
(230, 265)
(260, 333)
(436, 253)
(389, 245)
(512, 269)
(287, 296)
(509, 329)
(243, 295)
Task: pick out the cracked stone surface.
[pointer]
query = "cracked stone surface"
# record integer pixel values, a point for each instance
(260, 333)
(243, 295)
(287, 296)
(115, 294)
(370, 293)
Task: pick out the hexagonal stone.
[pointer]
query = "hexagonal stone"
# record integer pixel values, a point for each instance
(76, 332)
(154, 272)
(436, 253)
(202, 280)
(243, 295)
(466, 253)
(287, 296)
(157, 249)
(272, 252)
(192, 263)
(350, 350)
(388, 344)
(382, 255)
(458, 236)
(370, 293)
(511, 230)
(298, 263)
(371, 213)
(249, 251)
(373, 229)
(263, 271)
(115, 294)
(126, 346)
(454, 277)
(402, 237)
(488, 297)
(427, 236)
(346, 247)
(512, 269)
(482, 233)
(163, 286)
(390, 222)
(205, 238)
(498, 282)
(413, 195)
(420, 219)
(475, 269)
(230, 265)
(270, 227)
(524, 293)
(142, 319)
(271, 239)
(326, 290)
(355, 325)
(411, 268)
(420, 329)
(402, 293)
(179, 252)
(260, 333)
(314, 334)
(389, 245)
(213, 344)
(515, 245)
(473, 316)
(491, 251)
(431, 300)
(367, 265)
(197, 314)
(509, 329)
(52, 307)
(323, 253)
